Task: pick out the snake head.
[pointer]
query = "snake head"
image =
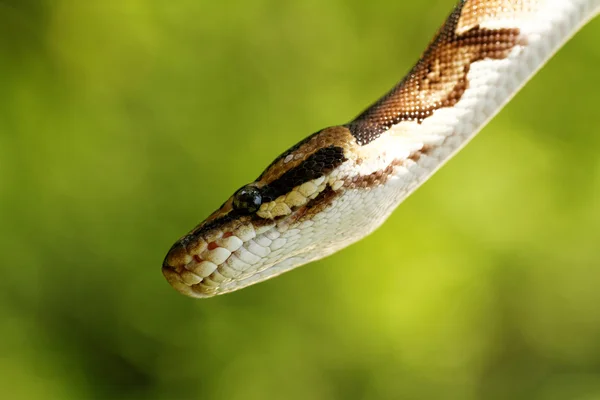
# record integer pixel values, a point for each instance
(267, 227)
(321, 195)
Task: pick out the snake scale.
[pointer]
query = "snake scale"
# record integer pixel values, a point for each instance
(341, 183)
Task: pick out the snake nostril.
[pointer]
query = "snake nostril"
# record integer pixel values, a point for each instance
(168, 267)
(177, 257)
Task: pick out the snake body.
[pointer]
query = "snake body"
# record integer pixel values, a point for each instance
(341, 183)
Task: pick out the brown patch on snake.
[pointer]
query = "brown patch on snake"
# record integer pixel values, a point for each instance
(373, 179)
(482, 12)
(425, 150)
(439, 79)
(317, 205)
(380, 177)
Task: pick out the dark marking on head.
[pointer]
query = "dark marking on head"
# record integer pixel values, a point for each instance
(438, 80)
(318, 204)
(338, 136)
(289, 151)
(320, 163)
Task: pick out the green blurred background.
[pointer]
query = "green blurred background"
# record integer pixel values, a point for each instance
(125, 123)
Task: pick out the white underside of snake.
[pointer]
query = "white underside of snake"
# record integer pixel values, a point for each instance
(341, 183)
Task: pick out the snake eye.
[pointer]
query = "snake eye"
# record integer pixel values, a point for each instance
(247, 198)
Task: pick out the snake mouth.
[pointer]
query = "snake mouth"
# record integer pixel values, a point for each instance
(217, 262)
(192, 273)
(186, 282)
(206, 263)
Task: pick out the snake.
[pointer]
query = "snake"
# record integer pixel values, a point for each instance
(341, 183)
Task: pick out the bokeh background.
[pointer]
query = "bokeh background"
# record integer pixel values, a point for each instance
(125, 123)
